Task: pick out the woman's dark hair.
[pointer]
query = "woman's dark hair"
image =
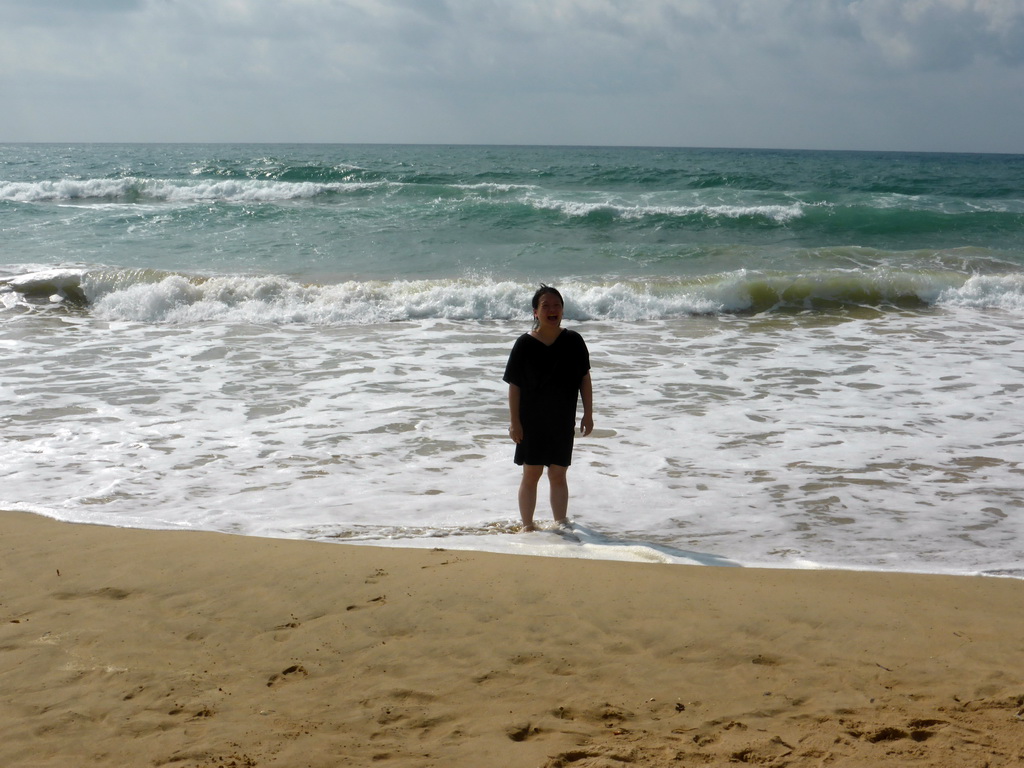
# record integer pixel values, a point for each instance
(546, 289)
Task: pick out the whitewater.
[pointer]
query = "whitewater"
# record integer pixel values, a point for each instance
(800, 359)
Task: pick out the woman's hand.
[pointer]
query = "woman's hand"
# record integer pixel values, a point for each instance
(587, 395)
(515, 431)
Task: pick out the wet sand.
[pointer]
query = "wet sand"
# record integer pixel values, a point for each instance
(144, 648)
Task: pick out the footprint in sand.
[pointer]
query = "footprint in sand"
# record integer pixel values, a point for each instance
(295, 669)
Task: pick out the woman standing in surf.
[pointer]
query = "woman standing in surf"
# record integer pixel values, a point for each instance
(548, 371)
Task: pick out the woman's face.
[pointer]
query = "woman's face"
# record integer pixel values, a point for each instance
(548, 311)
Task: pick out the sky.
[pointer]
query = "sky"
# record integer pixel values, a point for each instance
(905, 75)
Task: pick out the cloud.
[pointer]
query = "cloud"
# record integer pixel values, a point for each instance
(596, 71)
(62, 12)
(942, 34)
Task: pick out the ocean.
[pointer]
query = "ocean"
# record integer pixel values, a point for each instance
(800, 359)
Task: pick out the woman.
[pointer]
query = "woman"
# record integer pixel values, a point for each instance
(547, 371)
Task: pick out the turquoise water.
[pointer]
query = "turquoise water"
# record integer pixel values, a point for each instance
(801, 358)
(328, 213)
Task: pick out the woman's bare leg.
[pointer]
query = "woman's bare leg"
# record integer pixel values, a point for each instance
(559, 492)
(528, 494)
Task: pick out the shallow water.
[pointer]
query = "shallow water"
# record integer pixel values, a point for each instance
(879, 441)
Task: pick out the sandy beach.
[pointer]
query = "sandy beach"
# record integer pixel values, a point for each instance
(144, 648)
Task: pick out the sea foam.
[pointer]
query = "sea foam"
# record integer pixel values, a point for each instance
(156, 296)
(135, 190)
(773, 440)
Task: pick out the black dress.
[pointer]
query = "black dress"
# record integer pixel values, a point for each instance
(549, 380)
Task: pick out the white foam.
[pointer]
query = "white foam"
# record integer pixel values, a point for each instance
(153, 296)
(133, 189)
(987, 291)
(64, 189)
(632, 210)
(891, 442)
(189, 191)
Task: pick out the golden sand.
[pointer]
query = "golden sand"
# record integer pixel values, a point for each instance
(146, 648)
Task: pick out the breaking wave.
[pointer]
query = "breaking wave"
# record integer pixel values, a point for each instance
(155, 296)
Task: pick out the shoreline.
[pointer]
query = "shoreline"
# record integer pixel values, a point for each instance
(139, 647)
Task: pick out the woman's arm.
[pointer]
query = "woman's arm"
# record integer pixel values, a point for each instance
(587, 394)
(515, 425)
